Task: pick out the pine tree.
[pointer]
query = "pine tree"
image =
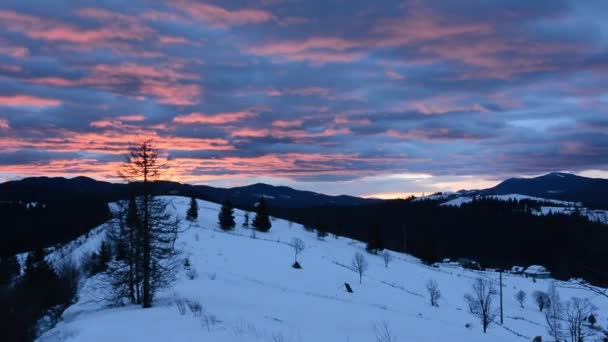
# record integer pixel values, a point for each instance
(104, 255)
(192, 213)
(375, 240)
(226, 216)
(261, 222)
(9, 269)
(321, 232)
(246, 221)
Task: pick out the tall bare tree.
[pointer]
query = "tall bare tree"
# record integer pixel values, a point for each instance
(480, 302)
(360, 265)
(554, 314)
(298, 246)
(576, 312)
(157, 227)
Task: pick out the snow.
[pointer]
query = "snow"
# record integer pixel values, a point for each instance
(600, 216)
(536, 269)
(249, 292)
(457, 202)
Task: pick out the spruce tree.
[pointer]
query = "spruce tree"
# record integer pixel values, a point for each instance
(192, 213)
(9, 269)
(226, 216)
(246, 221)
(375, 241)
(261, 222)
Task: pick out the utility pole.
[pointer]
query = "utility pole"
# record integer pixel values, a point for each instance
(501, 314)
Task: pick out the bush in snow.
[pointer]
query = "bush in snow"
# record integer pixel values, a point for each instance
(592, 320)
(191, 272)
(321, 232)
(387, 258)
(541, 299)
(180, 304)
(383, 332)
(195, 307)
(434, 294)
(520, 296)
(360, 265)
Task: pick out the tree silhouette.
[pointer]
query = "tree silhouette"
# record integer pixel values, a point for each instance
(157, 228)
(192, 213)
(226, 216)
(261, 221)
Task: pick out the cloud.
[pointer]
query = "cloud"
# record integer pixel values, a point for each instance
(294, 93)
(27, 101)
(213, 119)
(220, 17)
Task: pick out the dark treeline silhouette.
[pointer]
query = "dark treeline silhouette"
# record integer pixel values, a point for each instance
(494, 233)
(28, 225)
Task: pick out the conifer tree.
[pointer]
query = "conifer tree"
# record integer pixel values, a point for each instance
(9, 269)
(246, 221)
(226, 216)
(261, 222)
(192, 213)
(153, 252)
(375, 240)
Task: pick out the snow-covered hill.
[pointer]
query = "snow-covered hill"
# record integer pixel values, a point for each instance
(548, 206)
(249, 292)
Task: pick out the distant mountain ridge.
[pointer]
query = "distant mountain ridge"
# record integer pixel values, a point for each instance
(54, 188)
(593, 192)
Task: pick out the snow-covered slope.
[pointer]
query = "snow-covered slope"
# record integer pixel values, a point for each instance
(511, 197)
(249, 292)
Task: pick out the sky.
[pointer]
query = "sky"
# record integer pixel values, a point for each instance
(368, 98)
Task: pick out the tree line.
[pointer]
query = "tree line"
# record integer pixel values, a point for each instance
(498, 234)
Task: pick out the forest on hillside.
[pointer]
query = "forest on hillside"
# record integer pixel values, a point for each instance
(494, 233)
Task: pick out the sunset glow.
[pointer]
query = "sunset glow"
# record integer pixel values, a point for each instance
(377, 99)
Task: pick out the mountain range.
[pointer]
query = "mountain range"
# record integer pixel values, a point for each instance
(560, 186)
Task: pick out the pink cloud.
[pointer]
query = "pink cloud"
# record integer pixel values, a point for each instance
(27, 101)
(213, 119)
(134, 117)
(172, 40)
(4, 124)
(393, 75)
(310, 91)
(287, 123)
(46, 29)
(221, 17)
(317, 50)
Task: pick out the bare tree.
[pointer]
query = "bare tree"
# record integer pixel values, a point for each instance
(576, 312)
(554, 314)
(520, 296)
(298, 246)
(434, 294)
(481, 302)
(157, 228)
(359, 265)
(541, 299)
(387, 258)
(383, 332)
